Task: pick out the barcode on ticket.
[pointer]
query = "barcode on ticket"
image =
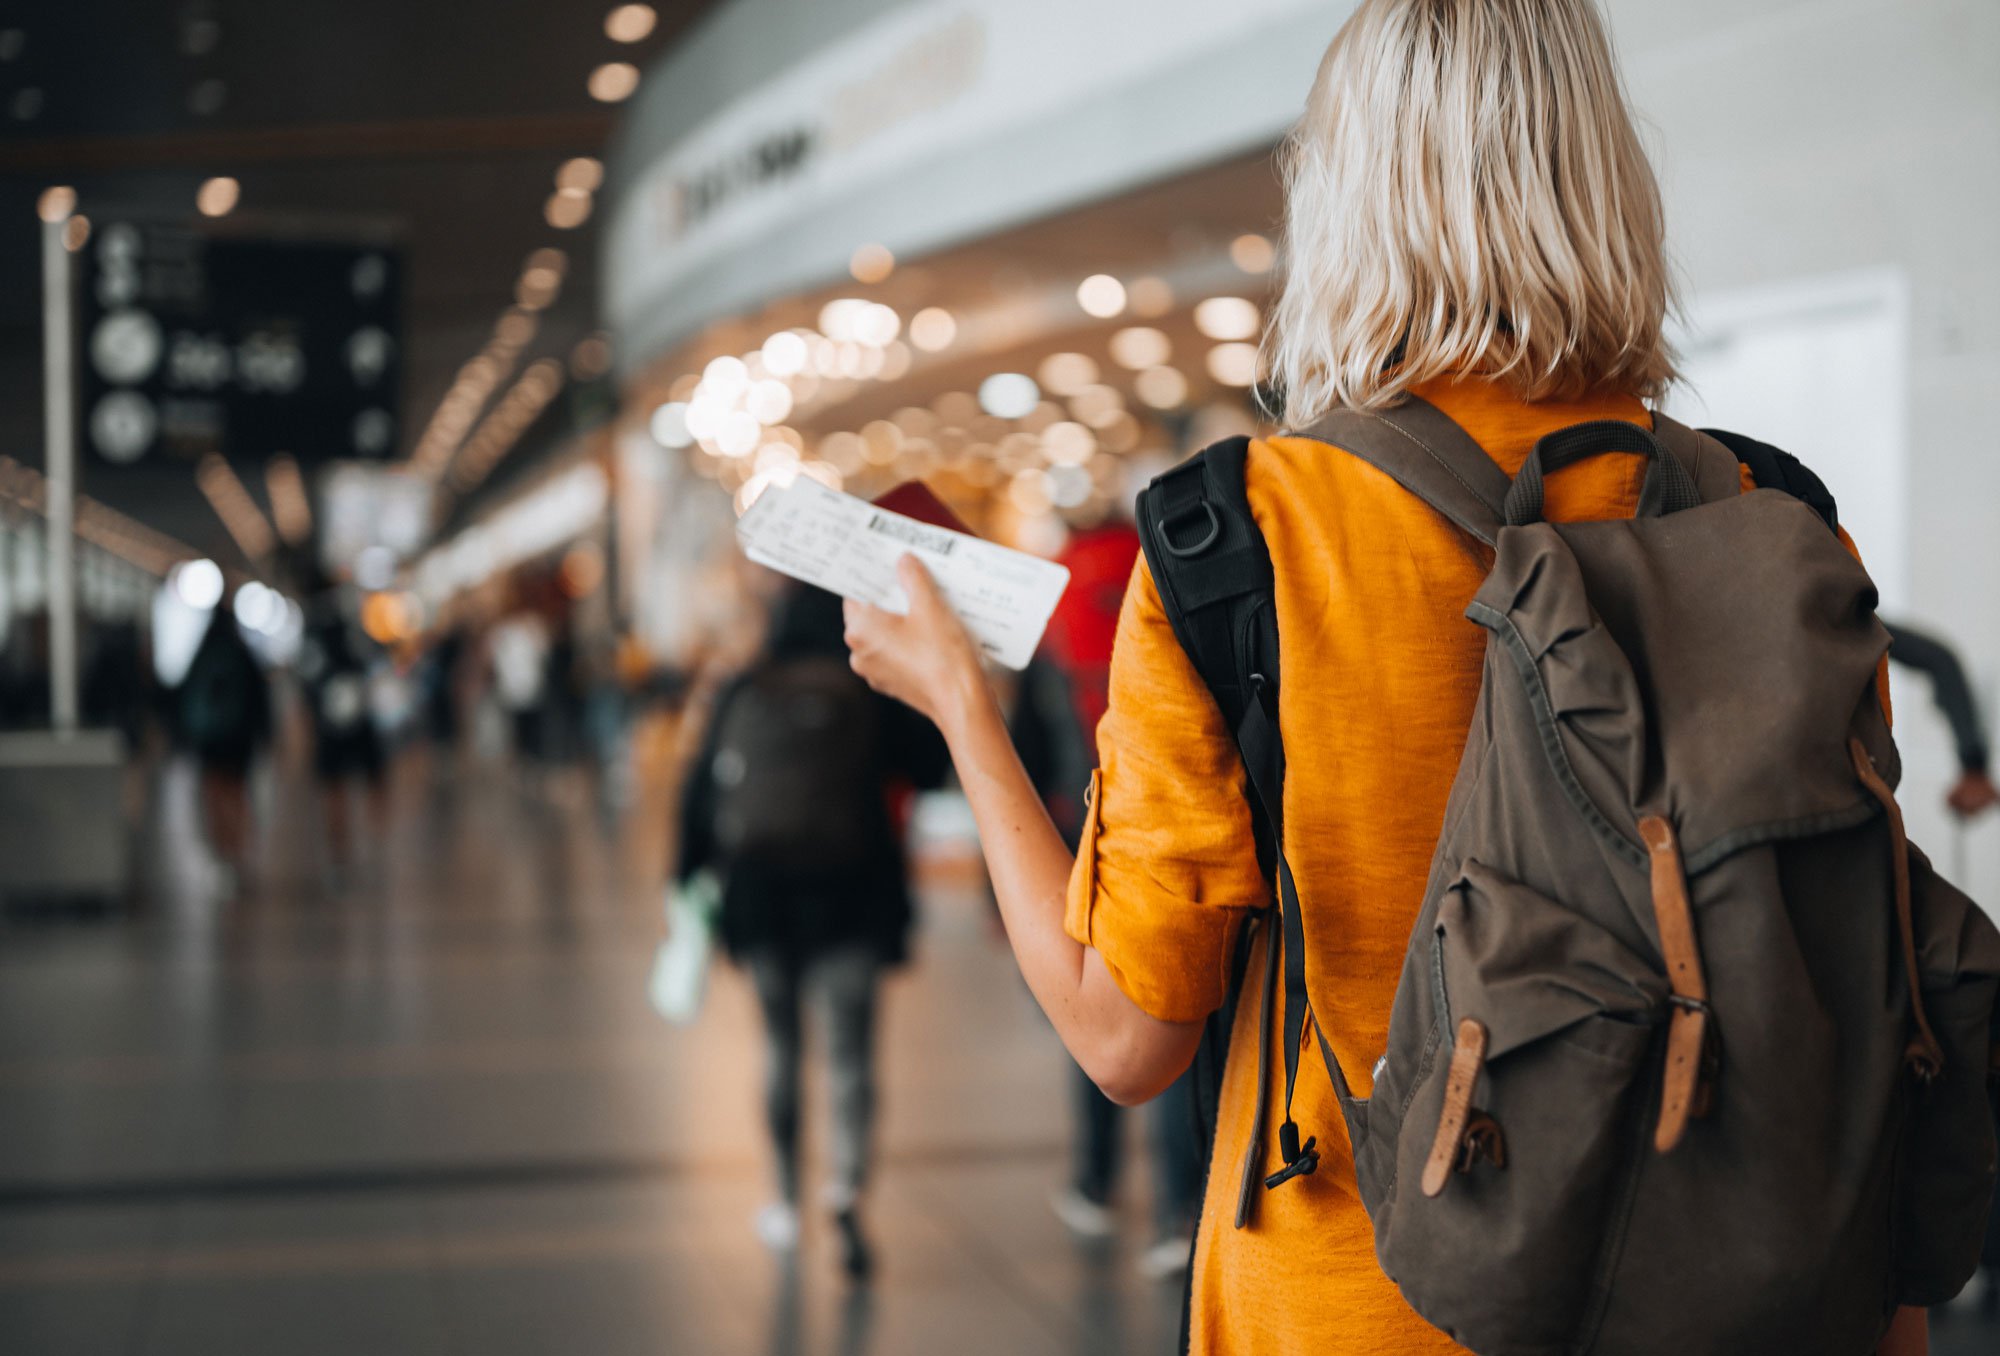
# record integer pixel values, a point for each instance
(933, 540)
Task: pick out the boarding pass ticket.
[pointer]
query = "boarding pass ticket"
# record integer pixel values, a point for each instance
(850, 547)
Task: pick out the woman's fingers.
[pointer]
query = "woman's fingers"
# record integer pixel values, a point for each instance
(925, 598)
(920, 658)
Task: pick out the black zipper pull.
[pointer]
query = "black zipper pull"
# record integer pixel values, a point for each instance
(1299, 1161)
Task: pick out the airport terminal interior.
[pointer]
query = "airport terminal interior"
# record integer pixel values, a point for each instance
(382, 385)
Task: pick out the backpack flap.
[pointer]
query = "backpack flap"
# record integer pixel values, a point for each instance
(1648, 641)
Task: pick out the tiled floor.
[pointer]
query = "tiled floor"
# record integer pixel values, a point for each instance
(430, 1112)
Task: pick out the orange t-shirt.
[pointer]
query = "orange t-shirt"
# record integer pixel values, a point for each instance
(1380, 674)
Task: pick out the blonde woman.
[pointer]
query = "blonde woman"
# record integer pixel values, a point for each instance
(1472, 220)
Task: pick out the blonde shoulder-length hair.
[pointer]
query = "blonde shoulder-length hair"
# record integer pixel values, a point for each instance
(1466, 194)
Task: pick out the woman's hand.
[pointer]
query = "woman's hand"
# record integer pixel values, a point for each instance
(925, 659)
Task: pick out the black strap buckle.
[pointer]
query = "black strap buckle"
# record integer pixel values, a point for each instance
(1208, 537)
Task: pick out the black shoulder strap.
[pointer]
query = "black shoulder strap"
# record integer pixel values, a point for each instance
(1212, 568)
(1775, 469)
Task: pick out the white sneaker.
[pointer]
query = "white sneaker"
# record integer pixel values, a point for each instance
(1084, 1217)
(1166, 1259)
(777, 1226)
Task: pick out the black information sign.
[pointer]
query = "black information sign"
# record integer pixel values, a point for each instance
(194, 343)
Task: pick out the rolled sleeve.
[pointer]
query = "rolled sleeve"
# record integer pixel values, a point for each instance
(1166, 867)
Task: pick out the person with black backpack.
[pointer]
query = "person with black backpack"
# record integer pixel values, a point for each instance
(791, 800)
(1522, 758)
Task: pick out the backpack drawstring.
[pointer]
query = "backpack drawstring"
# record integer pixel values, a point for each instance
(1247, 1192)
(1924, 1056)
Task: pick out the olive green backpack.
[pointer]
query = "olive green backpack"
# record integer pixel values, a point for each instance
(1692, 1051)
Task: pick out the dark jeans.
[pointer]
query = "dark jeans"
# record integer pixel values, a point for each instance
(844, 982)
(1170, 1133)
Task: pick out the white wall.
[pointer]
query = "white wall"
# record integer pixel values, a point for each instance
(1806, 139)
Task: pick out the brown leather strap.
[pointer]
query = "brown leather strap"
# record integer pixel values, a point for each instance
(1924, 1055)
(1690, 1030)
(1468, 1058)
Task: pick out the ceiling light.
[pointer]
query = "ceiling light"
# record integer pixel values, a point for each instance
(703, 416)
(1164, 388)
(1068, 444)
(630, 23)
(536, 290)
(872, 263)
(1227, 318)
(1030, 493)
(769, 402)
(933, 329)
(1101, 295)
(1252, 253)
(1140, 347)
(839, 319)
(785, 354)
(514, 328)
(1009, 395)
(199, 584)
(1069, 486)
(613, 81)
(669, 425)
(56, 203)
(1151, 297)
(880, 441)
(582, 173)
(1067, 373)
(567, 209)
(726, 378)
(877, 326)
(217, 197)
(1119, 434)
(1097, 405)
(739, 434)
(259, 607)
(1233, 364)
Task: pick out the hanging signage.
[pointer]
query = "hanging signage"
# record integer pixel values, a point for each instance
(194, 344)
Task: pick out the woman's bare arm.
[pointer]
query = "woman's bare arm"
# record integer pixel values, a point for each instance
(928, 661)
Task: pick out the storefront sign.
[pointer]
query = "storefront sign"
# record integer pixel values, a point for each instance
(934, 121)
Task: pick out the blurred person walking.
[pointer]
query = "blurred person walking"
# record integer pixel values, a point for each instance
(1476, 262)
(793, 800)
(223, 708)
(348, 748)
(1974, 792)
(1062, 697)
(519, 649)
